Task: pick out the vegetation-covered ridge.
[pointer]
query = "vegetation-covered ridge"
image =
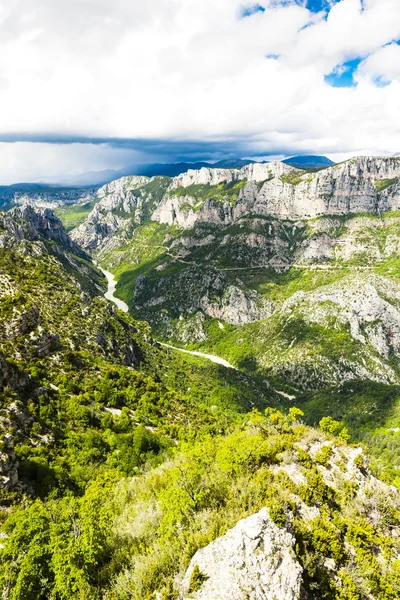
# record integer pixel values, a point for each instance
(78, 378)
(322, 296)
(222, 192)
(131, 538)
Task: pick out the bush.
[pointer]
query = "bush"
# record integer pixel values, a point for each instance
(323, 455)
(197, 579)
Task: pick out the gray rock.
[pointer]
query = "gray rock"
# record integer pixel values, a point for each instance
(253, 561)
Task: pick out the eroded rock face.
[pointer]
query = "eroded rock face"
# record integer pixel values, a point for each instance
(367, 304)
(207, 290)
(253, 561)
(26, 223)
(108, 218)
(363, 184)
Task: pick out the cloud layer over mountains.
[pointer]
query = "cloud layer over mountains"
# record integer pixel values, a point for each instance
(263, 79)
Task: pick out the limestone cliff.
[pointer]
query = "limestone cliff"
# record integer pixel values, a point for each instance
(363, 184)
(123, 204)
(225, 196)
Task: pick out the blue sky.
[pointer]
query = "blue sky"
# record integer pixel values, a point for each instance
(318, 5)
(344, 75)
(90, 85)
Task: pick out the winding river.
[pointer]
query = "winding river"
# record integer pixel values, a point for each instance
(112, 284)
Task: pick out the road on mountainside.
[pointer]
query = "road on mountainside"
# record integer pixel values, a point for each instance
(111, 286)
(311, 267)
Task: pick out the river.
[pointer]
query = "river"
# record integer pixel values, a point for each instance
(111, 287)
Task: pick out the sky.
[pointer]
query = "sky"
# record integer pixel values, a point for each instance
(97, 84)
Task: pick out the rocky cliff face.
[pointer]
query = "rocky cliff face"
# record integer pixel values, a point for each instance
(364, 184)
(123, 205)
(252, 172)
(26, 223)
(196, 292)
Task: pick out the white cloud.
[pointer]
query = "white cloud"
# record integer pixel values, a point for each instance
(385, 63)
(24, 161)
(190, 69)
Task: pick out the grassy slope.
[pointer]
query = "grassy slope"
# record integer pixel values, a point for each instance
(74, 215)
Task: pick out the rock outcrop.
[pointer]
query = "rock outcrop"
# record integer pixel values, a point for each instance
(275, 189)
(363, 184)
(27, 223)
(195, 291)
(121, 207)
(253, 561)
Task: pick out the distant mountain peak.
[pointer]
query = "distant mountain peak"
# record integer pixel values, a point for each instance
(309, 161)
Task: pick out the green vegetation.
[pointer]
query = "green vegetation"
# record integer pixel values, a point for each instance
(131, 457)
(223, 192)
(293, 178)
(371, 412)
(196, 580)
(382, 184)
(74, 215)
(82, 547)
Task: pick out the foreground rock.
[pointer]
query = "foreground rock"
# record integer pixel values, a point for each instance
(254, 561)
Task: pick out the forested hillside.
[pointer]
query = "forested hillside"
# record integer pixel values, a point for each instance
(125, 465)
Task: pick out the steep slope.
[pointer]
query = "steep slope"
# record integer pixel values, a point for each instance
(127, 470)
(309, 303)
(69, 360)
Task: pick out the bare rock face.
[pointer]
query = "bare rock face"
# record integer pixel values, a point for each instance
(117, 199)
(367, 304)
(363, 184)
(185, 211)
(205, 176)
(207, 290)
(26, 223)
(251, 172)
(253, 561)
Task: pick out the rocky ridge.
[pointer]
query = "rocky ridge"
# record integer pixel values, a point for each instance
(259, 558)
(122, 205)
(363, 184)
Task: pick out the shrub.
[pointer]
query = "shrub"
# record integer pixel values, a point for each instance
(196, 579)
(323, 455)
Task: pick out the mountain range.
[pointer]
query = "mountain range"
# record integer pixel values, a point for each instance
(131, 469)
(97, 178)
